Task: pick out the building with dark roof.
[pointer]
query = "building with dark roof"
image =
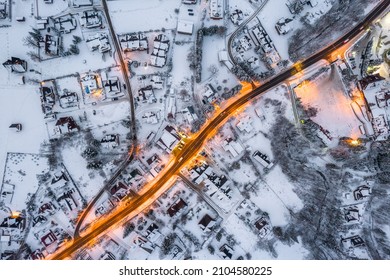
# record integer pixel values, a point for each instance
(16, 65)
(176, 207)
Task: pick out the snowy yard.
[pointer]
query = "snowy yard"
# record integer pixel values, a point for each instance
(326, 93)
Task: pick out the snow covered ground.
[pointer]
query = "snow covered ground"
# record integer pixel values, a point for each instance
(135, 12)
(326, 93)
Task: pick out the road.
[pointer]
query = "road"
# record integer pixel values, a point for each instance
(196, 142)
(239, 28)
(131, 153)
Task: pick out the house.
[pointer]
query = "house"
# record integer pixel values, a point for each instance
(66, 125)
(153, 234)
(209, 94)
(283, 25)
(89, 83)
(237, 17)
(361, 192)
(110, 141)
(119, 191)
(352, 242)
(226, 251)
(37, 255)
(185, 27)
(151, 117)
(376, 91)
(67, 200)
(47, 208)
(245, 43)
(189, 114)
(216, 9)
(65, 24)
(16, 65)
(14, 222)
(50, 44)
(98, 41)
(91, 19)
(263, 226)
(16, 127)
(42, 22)
(351, 214)
(38, 220)
(103, 208)
(68, 99)
(245, 124)
(60, 180)
(48, 238)
(157, 82)
(263, 159)
(168, 139)
(107, 256)
(3, 10)
(154, 164)
(158, 57)
(206, 223)
(133, 42)
(233, 147)
(178, 206)
(146, 94)
(79, 3)
(47, 97)
(112, 86)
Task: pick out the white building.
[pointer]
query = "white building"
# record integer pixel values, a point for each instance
(185, 27)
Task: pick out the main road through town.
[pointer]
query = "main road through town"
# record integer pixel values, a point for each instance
(196, 142)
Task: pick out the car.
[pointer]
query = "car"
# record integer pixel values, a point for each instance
(190, 10)
(94, 103)
(190, 14)
(114, 98)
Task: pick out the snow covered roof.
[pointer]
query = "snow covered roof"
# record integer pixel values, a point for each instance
(185, 27)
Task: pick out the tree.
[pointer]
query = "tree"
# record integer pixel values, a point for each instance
(76, 39)
(74, 49)
(89, 153)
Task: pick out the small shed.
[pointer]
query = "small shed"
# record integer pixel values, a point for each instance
(16, 126)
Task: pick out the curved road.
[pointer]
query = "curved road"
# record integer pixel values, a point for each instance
(131, 154)
(196, 142)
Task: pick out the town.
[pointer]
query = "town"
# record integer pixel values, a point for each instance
(200, 129)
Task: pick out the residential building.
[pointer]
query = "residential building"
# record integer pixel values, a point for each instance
(263, 159)
(168, 139)
(361, 192)
(66, 125)
(98, 41)
(283, 25)
(216, 9)
(233, 147)
(158, 57)
(133, 42)
(65, 24)
(377, 95)
(177, 207)
(80, 3)
(16, 65)
(91, 19)
(110, 141)
(185, 27)
(207, 223)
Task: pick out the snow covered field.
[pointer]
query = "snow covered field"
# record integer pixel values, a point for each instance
(326, 93)
(132, 15)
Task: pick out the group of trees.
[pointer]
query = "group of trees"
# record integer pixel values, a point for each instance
(311, 38)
